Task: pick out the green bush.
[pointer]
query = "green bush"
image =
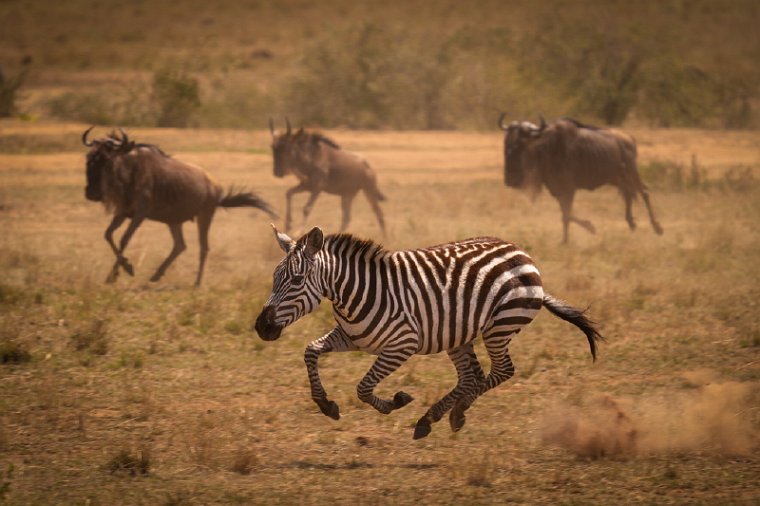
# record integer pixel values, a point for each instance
(177, 96)
(9, 86)
(128, 104)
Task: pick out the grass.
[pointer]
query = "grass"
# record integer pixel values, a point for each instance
(139, 392)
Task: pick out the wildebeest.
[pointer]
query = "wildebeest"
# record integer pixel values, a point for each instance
(139, 181)
(321, 165)
(567, 155)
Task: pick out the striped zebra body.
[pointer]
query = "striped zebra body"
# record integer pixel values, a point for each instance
(443, 296)
(397, 304)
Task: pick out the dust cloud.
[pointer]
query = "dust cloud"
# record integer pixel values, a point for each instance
(711, 417)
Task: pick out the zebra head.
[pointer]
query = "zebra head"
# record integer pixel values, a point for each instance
(295, 287)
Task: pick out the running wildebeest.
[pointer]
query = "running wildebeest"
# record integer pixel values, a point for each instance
(567, 155)
(321, 165)
(139, 181)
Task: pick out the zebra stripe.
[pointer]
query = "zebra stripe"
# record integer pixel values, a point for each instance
(396, 304)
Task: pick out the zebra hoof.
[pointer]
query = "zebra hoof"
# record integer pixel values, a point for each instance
(422, 428)
(329, 408)
(456, 420)
(401, 399)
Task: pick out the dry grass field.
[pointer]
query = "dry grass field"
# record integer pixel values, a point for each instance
(141, 393)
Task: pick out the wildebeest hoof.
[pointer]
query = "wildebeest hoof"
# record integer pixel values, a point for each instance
(128, 268)
(422, 428)
(155, 277)
(329, 408)
(401, 399)
(657, 228)
(456, 419)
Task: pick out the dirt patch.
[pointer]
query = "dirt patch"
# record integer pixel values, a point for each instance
(713, 418)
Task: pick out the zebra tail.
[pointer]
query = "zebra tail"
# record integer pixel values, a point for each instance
(234, 198)
(577, 317)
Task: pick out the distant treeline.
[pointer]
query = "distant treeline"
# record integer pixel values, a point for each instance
(401, 65)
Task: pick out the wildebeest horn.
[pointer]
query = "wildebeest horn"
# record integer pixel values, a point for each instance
(271, 126)
(84, 137)
(287, 122)
(124, 138)
(501, 121)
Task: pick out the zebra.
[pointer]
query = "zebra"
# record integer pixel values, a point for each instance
(396, 304)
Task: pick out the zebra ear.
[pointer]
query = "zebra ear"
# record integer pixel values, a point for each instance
(285, 242)
(314, 241)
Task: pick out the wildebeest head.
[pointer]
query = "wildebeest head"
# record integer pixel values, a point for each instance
(517, 135)
(294, 287)
(283, 149)
(301, 153)
(100, 159)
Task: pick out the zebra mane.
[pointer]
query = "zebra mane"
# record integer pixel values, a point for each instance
(355, 244)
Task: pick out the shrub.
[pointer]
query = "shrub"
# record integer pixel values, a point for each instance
(12, 352)
(9, 86)
(177, 96)
(126, 463)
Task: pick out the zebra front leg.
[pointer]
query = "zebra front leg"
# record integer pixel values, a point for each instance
(501, 370)
(387, 361)
(468, 375)
(335, 340)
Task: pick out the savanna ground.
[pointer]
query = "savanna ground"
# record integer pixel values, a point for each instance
(141, 393)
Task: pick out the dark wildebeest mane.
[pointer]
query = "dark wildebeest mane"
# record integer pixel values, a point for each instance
(580, 124)
(138, 181)
(314, 137)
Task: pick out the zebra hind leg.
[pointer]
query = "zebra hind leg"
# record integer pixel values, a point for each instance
(467, 379)
(501, 370)
(387, 361)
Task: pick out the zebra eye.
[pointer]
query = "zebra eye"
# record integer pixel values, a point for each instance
(297, 279)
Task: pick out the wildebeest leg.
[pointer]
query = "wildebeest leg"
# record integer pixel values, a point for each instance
(466, 381)
(335, 340)
(309, 205)
(655, 224)
(345, 204)
(177, 249)
(628, 197)
(566, 205)
(120, 259)
(115, 224)
(378, 212)
(204, 223)
(301, 187)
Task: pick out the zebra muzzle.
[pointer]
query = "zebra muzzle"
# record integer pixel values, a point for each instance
(265, 326)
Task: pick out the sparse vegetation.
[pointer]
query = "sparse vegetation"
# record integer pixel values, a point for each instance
(451, 65)
(9, 87)
(126, 462)
(227, 417)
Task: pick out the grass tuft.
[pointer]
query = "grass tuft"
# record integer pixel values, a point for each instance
(124, 462)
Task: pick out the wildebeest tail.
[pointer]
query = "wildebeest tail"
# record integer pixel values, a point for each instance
(575, 316)
(235, 198)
